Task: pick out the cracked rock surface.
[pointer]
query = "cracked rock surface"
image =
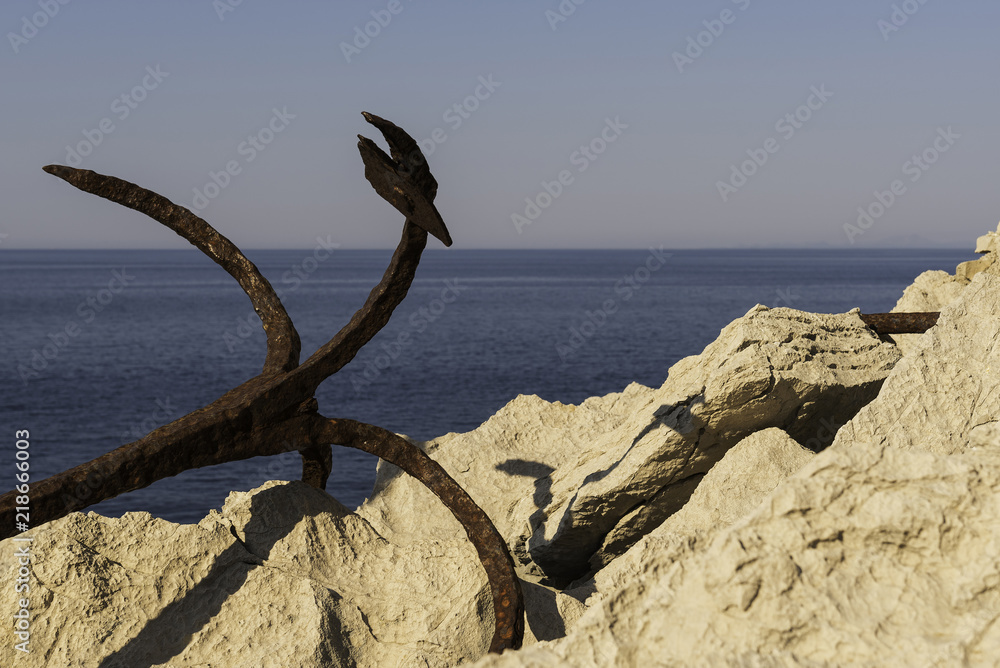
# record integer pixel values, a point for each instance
(933, 290)
(686, 525)
(573, 487)
(869, 556)
(283, 576)
(747, 473)
(883, 550)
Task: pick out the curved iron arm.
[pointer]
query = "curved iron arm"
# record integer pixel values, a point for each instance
(283, 345)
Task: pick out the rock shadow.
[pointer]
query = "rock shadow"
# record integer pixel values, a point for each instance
(166, 636)
(541, 612)
(542, 475)
(562, 568)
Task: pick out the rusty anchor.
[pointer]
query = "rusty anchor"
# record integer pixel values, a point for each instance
(276, 411)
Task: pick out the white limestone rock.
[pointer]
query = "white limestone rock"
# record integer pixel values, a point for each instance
(967, 270)
(283, 576)
(948, 387)
(868, 556)
(747, 473)
(881, 551)
(989, 242)
(933, 290)
(563, 483)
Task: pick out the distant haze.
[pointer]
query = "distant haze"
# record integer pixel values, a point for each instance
(548, 124)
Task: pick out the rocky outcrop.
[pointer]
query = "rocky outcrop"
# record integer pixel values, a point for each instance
(283, 576)
(573, 487)
(933, 290)
(397, 583)
(686, 525)
(989, 242)
(881, 551)
(869, 556)
(736, 485)
(950, 384)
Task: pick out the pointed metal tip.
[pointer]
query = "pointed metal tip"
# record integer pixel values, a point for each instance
(388, 129)
(71, 175)
(441, 233)
(426, 216)
(374, 120)
(68, 174)
(408, 184)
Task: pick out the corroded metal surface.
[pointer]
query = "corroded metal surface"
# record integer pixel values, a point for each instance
(900, 323)
(275, 411)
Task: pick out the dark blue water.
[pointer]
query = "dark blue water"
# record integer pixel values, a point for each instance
(171, 332)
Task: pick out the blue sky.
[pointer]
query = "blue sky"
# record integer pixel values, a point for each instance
(214, 76)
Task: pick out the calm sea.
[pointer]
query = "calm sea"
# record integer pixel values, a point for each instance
(157, 334)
